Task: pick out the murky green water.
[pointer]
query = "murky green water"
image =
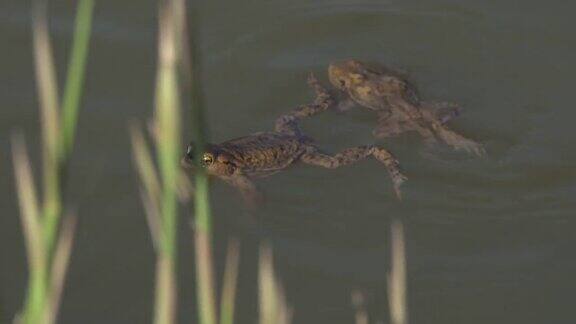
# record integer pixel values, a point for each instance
(489, 240)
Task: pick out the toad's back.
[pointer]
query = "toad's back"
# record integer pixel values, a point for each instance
(264, 152)
(371, 85)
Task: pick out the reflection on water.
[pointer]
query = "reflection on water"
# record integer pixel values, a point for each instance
(489, 240)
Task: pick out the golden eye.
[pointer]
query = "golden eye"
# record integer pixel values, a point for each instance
(207, 159)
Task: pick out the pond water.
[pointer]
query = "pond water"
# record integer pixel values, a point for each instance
(489, 240)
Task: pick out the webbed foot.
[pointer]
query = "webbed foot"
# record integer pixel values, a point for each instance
(393, 167)
(354, 154)
(459, 142)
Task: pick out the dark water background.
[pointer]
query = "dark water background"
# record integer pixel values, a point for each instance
(489, 240)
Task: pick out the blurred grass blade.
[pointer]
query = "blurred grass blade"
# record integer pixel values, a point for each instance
(48, 94)
(204, 277)
(28, 202)
(60, 266)
(185, 187)
(266, 290)
(397, 277)
(181, 37)
(284, 311)
(165, 304)
(17, 319)
(272, 301)
(47, 262)
(162, 190)
(359, 303)
(149, 177)
(143, 160)
(228, 299)
(45, 75)
(36, 251)
(188, 57)
(75, 76)
(152, 219)
(168, 129)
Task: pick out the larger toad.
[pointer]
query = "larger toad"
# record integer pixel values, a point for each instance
(397, 103)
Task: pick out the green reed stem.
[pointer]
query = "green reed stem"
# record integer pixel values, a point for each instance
(230, 282)
(64, 129)
(167, 132)
(189, 60)
(75, 77)
(47, 274)
(167, 114)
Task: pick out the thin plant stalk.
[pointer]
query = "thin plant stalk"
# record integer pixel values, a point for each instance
(35, 247)
(152, 195)
(49, 103)
(272, 300)
(49, 251)
(150, 189)
(205, 278)
(205, 290)
(359, 304)
(165, 304)
(75, 76)
(228, 298)
(60, 266)
(397, 276)
(160, 185)
(167, 116)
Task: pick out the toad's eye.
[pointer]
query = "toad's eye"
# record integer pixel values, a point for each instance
(342, 83)
(207, 159)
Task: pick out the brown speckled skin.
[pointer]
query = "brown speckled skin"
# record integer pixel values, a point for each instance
(397, 103)
(259, 153)
(239, 160)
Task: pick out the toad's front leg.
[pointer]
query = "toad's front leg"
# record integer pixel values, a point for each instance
(288, 123)
(355, 154)
(323, 101)
(247, 188)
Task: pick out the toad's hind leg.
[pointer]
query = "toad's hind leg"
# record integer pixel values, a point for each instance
(396, 125)
(458, 141)
(437, 114)
(355, 154)
(413, 119)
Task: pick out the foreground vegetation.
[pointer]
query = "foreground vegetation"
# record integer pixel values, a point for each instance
(47, 225)
(49, 228)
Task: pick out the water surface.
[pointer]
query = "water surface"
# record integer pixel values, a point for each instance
(489, 240)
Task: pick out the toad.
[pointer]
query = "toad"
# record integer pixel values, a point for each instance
(397, 104)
